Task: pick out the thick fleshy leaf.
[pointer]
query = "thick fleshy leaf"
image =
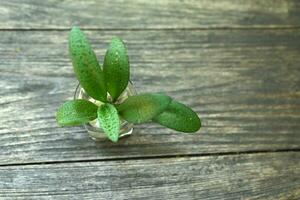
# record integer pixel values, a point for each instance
(143, 107)
(116, 68)
(86, 66)
(179, 117)
(76, 112)
(109, 121)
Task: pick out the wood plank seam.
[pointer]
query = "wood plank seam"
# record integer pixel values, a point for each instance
(157, 157)
(156, 29)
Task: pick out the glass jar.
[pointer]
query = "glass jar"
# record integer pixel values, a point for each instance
(93, 127)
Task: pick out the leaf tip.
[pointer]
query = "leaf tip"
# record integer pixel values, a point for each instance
(75, 28)
(116, 39)
(114, 138)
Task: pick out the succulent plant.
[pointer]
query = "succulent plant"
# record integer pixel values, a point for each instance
(107, 83)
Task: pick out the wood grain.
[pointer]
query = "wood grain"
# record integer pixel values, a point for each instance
(254, 176)
(154, 14)
(244, 84)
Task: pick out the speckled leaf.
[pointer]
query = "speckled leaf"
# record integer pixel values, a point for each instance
(179, 117)
(143, 107)
(116, 68)
(86, 65)
(76, 112)
(109, 121)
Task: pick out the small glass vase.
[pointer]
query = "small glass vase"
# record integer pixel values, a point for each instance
(93, 127)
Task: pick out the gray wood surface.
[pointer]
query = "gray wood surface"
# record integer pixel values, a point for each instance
(235, 62)
(244, 84)
(154, 14)
(253, 176)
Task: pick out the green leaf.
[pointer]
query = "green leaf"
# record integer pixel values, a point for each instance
(116, 68)
(76, 112)
(142, 108)
(109, 121)
(86, 66)
(179, 117)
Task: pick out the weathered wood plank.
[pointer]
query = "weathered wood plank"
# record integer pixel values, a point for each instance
(141, 14)
(245, 85)
(254, 176)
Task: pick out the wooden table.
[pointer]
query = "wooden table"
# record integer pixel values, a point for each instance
(236, 62)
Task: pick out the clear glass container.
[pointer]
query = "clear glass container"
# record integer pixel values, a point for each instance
(93, 127)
